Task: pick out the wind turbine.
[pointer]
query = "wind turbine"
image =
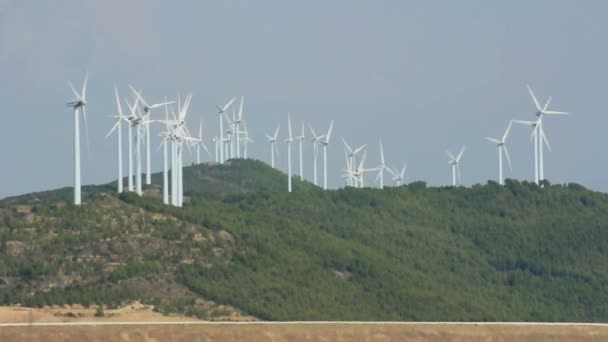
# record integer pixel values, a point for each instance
(398, 177)
(381, 167)
(273, 145)
(502, 145)
(535, 138)
(147, 116)
(289, 140)
(358, 175)
(455, 163)
(79, 103)
(119, 119)
(316, 141)
(540, 112)
(351, 155)
(325, 143)
(221, 111)
(300, 140)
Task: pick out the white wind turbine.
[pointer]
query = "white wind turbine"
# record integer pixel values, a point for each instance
(325, 143)
(455, 164)
(540, 113)
(147, 116)
(502, 145)
(316, 141)
(536, 140)
(381, 167)
(351, 156)
(138, 121)
(300, 140)
(399, 178)
(79, 103)
(354, 176)
(273, 144)
(118, 125)
(221, 111)
(181, 135)
(289, 140)
(358, 175)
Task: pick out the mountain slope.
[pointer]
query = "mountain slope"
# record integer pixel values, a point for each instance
(518, 252)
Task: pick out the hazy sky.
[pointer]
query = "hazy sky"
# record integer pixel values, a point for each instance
(424, 76)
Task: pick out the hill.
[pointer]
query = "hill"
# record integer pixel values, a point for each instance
(241, 245)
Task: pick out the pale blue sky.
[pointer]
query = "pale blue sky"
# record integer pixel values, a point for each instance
(423, 76)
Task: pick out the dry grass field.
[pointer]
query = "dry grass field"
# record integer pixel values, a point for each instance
(304, 332)
(176, 328)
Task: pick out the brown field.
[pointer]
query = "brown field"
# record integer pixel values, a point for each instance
(177, 330)
(304, 332)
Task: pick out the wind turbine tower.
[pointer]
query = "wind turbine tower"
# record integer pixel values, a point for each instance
(325, 143)
(79, 103)
(289, 140)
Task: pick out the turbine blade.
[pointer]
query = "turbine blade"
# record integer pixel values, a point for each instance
(507, 155)
(331, 127)
(350, 150)
(524, 122)
(223, 109)
(74, 91)
(552, 112)
(504, 137)
(276, 132)
(84, 86)
(312, 131)
(544, 137)
(138, 95)
(119, 107)
(534, 98)
(450, 155)
(113, 128)
(460, 154)
(362, 160)
(240, 117)
(495, 141)
(547, 104)
(158, 105)
(200, 130)
(360, 149)
(86, 130)
(206, 149)
(403, 170)
(381, 153)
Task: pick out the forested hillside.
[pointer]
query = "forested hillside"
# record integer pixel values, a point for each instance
(518, 252)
